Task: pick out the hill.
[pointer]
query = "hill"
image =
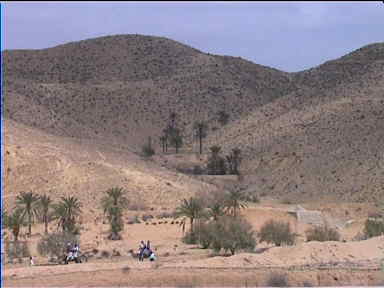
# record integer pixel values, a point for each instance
(123, 88)
(323, 140)
(303, 135)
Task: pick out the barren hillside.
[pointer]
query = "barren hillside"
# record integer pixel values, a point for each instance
(309, 134)
(124, 87)
(323, 140)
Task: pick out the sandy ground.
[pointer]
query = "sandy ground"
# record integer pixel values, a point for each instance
(180, 265)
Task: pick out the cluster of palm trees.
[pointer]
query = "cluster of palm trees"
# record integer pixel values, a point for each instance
(30, 206)
(198, 208)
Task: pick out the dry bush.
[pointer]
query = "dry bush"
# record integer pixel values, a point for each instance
(55, 244)
(322, 233)
(277, 232)
(276, 279)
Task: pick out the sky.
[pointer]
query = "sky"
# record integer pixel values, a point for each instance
(290, 36)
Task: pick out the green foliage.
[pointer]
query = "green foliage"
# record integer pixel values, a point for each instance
(55, 244)
(14, 222)
(235, 199)
(27, 203)
(114, 204)
(277, 232)
(227, 233)
(216, 164)
(44, 205)
(373, 227)
(66, 213)
(191, 208)
(16, 249)
(234, 161)
(322, 233)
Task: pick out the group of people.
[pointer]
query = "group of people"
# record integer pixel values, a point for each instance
(145, 250)
(73, 250)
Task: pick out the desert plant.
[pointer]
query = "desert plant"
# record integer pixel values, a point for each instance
(223, 117)
(14, 222)
(200, 128)
(113, 204)
(276, 279)
(235, 199)
(147, 148)
(234, 161)
(216, 163)
(228, 233)
(55, 244)
(322, 233)
(16, 249)
(373, 228)
(45, 203)
(277, 232)
(191, 208)
(66, 213)
(27, 203)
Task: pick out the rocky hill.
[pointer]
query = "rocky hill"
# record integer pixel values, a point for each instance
(308, 134)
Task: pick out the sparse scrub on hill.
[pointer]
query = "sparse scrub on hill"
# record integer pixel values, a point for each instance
(277, 232)
(55, 244)
(114, 203)
(322, 233)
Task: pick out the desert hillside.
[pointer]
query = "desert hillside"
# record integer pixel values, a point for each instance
(124, 87)
(323, 140)
(303, 135)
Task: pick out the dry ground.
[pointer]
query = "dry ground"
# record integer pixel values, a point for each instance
(328, 263)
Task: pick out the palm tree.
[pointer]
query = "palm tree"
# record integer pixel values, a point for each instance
(113, 204)
(66, 213)
(45, 203)
(14, 222)
(27, 203)
(192, 209)
(216, 210)
(235, 200)
(200, 128)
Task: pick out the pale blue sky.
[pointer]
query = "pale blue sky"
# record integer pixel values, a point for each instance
(290, 36)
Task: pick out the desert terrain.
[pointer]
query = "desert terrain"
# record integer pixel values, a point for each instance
(77, 115)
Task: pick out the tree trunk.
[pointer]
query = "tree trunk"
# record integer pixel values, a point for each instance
(201, 143)
(191, 219)
(29, 225)
(46, 224)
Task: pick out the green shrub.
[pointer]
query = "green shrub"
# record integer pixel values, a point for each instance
(277, 232)
(227, 233)
(373, 228)
(322, 233)
(16, 249)
(190, 238)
